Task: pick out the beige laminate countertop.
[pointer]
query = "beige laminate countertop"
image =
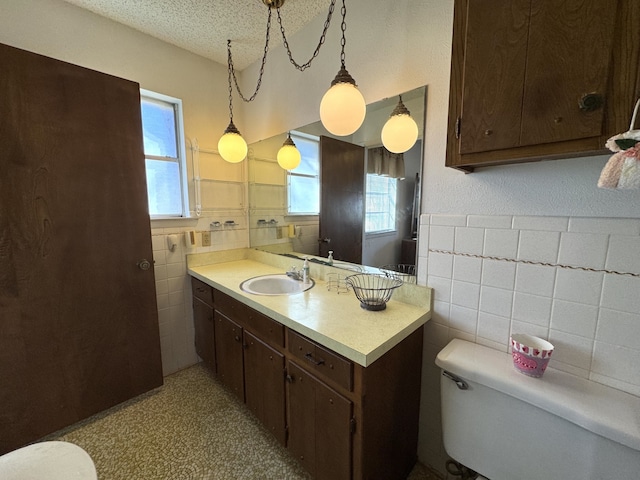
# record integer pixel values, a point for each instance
(334, 320)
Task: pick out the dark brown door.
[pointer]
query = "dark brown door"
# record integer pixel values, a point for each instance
(228, 340)
(320, 433)
(264, 384)
(341, 199)
(78, 317)
(204, 340)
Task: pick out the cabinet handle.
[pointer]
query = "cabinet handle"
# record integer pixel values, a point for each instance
(237, 338)
(144, 264)
(591, 102)
(289, 378)
(309, 357)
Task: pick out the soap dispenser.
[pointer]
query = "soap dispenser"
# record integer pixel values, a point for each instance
(305, 270)
(330, 257)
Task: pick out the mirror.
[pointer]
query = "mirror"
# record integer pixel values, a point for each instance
(272, 229)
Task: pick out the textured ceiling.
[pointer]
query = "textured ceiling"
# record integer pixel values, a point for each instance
(203, 26)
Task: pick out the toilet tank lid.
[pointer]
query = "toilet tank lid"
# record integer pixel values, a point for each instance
(603, 410)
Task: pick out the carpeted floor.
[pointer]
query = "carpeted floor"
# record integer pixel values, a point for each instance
(189, 429)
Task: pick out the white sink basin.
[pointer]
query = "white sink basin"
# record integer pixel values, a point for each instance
(276, 284)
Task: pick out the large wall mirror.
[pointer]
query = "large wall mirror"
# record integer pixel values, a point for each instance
(331, 203)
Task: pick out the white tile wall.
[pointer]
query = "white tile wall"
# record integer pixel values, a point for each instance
(173, 285)
(592, 317)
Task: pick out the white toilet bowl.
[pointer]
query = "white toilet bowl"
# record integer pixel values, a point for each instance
(48, 461)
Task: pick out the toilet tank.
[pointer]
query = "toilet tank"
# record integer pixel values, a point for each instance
(506, 426)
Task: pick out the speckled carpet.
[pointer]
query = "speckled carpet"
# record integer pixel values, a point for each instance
(189, 429)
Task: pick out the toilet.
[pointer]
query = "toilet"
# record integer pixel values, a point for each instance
(52, 460)
(505, 425)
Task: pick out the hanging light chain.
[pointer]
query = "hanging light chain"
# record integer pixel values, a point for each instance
(229, 69)
(343, 75)
(343, 27)
(327, 22)
(232, 70)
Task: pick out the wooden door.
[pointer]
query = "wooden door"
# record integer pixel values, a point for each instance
(264, 384)
(228, 340)
(341, 199)
(78, 317)
(204, 339)
(320, 435)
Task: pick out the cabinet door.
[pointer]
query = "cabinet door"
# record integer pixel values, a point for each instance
(538, 79)
(229, 363)
(204, 340)
(264, 384)
(495, 53)
(78, 314)
(527, 66)
(320, 433)
(568, 56)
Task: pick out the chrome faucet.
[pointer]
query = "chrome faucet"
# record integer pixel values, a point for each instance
(294, 273)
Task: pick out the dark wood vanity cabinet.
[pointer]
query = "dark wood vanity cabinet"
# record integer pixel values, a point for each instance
(539, 79)
(342, 421)
(321, 425)
(244, 349)
(264, 371)
(229, 355)
(203, 322)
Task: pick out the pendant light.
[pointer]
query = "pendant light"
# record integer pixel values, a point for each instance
(289, 156)
(342, 108)
(400, 132)
(231, 146)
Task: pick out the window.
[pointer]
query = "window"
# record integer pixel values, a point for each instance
(164, 153)
(381, 196)
(303, 182)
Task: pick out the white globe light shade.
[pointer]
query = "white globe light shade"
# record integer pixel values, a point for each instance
(232, 147)
(288, 157)
(400, 133)
(342, 109)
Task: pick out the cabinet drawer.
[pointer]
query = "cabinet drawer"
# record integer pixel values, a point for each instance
(321, 360)
(266, 328)
(202, 291)
(231, 307)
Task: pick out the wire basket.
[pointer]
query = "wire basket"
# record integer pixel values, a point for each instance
(402, 271)
(337, 282)
(373, 291)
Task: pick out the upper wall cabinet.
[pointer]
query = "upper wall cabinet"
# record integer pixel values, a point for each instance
(540, 79)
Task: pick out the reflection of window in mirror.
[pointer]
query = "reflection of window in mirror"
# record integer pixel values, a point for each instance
(380, 213)
(303, 182)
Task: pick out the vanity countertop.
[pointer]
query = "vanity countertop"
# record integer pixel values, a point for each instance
(334, 320)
